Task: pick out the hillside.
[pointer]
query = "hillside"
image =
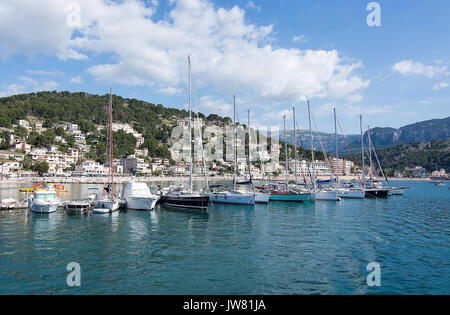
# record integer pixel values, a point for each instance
(154, 122)
(428, 155)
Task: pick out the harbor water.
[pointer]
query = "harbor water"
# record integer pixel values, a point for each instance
(280, 248)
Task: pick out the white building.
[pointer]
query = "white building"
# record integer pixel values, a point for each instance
(72, 127)
(90, 167)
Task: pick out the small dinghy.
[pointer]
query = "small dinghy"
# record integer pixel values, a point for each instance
(101, 211)
(79, 205)
(8, 204)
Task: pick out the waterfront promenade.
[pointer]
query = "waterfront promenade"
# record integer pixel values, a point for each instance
(150, 179)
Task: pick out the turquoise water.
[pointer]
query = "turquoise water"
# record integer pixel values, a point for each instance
(280, 248)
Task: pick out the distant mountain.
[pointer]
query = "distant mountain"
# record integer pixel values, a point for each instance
(425, 131)
(327, 139)
(430, 155)
(420, 132)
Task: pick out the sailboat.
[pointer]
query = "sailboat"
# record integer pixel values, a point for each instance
(182, 198)
(108, 203)
(289, 194)
(344, 191)
(261, 196)
(324, 194)
(235, 196)
(372, 188)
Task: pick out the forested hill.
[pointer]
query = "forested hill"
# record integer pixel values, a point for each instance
(83, 108)
(154, 122)
(428, 155)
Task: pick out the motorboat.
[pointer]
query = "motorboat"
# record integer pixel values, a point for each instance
(139, 197)
(44, 201)
(79, 204)
(398, 191)
(8, 204)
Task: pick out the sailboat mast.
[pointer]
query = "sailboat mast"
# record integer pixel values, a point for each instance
(362, 153)
(372, 170)
(249, 150)
(235, 142)
(190, 126)
(111, 163)
(286, 151)
(313, 173)
(295, 146)
(337, 147)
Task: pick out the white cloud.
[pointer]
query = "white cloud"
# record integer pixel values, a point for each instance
(252, 5)
(211, 104)
(355, 110)
(28, 85)
(45, 73)
(76, 80)
(406, 67)
(229, 54)
(299, 39)
(440, 85)
(170, 91)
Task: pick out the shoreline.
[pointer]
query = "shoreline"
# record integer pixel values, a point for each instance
(125, 179)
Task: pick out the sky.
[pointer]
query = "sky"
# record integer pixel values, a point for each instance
(273, 54)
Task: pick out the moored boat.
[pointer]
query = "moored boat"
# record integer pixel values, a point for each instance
(354, 193)
(139, 197)
(44, 201)
(186, 200)
(262, 197)
(236, 197)
(327, 195)
(290, 196)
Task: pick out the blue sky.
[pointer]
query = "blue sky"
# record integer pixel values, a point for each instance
(272, 54)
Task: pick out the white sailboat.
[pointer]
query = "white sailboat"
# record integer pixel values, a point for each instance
(261, 196)
(108, 203)
(235, 196)
(326, 194)
(343, 191)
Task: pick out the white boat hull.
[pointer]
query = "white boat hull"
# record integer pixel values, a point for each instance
(106, 205)
(101, 211)
(262, 197)
(327, 196)
(348, 193)
(44, 207)
(235, 199)
(138, 203)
